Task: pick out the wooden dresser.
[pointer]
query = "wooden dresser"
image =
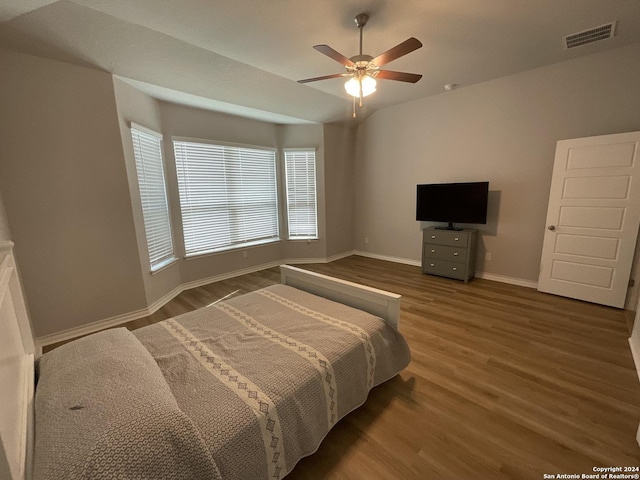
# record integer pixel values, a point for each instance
(449, 253)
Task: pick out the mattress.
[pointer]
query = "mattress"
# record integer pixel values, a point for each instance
(242, 389)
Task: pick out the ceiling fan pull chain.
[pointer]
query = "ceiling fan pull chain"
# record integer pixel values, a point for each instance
(354, 107)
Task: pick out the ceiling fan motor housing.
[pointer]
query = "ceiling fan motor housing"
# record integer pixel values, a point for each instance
(361, 61)
(363, 67)
(361, 20)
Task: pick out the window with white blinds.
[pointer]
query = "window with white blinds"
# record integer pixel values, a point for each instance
(153, 195)
(302, 211)
(228, 196)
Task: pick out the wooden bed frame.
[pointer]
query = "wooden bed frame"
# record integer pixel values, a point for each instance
(17, 350)
(385, 305)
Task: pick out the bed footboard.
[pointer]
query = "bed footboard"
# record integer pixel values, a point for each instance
(372, 300)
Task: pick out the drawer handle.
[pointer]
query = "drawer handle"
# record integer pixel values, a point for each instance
(433, 251)
(456, 239)
(433, 236)
(432, 265)
(455, 269)
(455, 254)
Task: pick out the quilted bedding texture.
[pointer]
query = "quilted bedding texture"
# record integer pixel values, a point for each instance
(263, 377)
(103, 410)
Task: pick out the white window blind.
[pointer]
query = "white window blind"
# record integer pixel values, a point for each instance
(153, 195)
(228, 196)
(302, 215)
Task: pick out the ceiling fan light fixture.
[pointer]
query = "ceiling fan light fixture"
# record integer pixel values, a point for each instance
(363, 68)
(352, 86)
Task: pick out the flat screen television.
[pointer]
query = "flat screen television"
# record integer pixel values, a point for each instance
(452, 203)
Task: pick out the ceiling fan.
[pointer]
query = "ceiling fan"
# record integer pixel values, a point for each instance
(364, 69)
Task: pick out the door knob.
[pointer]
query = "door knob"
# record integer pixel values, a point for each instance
(551, 227)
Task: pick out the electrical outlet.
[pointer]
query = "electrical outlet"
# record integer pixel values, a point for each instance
(244, 254)
(366, 239)
(487, 256)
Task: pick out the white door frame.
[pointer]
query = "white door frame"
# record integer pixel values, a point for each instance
(592, 219)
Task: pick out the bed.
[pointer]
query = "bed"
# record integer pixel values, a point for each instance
(241, 389)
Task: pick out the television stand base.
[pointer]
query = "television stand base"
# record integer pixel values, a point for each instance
(455, 229)
(451, 226)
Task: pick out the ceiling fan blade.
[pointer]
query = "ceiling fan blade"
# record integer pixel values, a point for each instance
(398, 51)
(326, 77)
(337, 56)
(400, 76)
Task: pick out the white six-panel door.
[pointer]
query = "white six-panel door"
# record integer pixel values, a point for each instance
(592, 219)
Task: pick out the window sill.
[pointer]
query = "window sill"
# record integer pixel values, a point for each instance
(234, 248)
(303, 239)
(163, 265)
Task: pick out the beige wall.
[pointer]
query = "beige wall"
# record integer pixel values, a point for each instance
(306, 136)
(5, 233)
(65, 190)
(69, 184)
(339, 159)
(135, 106)
(181, 121)
(503, 131)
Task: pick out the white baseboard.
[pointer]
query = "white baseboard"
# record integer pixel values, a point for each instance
(158, 304)
(504, 279)
(338, 256)
(90, 328)
(405, 261)
(155, 306)
(635, 353)
(225, 276)
(107, 322)
(162, 301)
(487, 276)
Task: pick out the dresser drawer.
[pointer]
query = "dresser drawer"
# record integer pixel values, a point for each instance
(445, 269)
(449, 253)
(440, 252)
(447, 237)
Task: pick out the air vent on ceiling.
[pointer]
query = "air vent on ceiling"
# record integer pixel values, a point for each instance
(596, 34)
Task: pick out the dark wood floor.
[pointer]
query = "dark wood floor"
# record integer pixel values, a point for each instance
(505, 382)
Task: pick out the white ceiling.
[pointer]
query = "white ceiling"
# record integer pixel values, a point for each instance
(244, 56)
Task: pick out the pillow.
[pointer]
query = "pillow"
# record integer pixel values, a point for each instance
(104, 410)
